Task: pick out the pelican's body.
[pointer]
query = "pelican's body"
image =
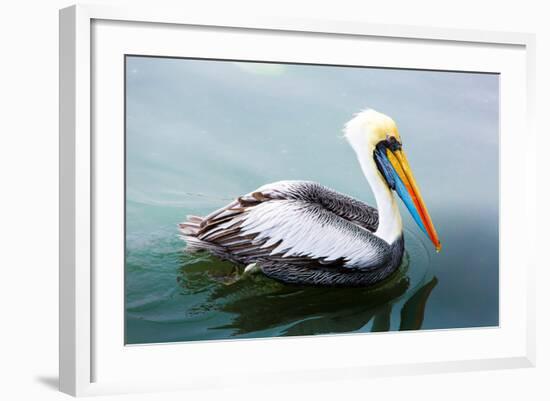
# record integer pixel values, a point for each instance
(304, 233)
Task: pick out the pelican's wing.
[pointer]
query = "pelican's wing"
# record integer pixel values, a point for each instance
(345, 206)
(298, 229)
(284, 224)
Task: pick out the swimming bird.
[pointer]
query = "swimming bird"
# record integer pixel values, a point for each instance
(301, 232)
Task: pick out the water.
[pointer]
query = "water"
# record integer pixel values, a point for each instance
(200, 133)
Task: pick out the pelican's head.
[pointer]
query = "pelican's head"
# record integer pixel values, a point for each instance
(375, 135)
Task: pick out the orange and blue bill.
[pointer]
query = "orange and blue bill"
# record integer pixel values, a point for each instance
(393, 164)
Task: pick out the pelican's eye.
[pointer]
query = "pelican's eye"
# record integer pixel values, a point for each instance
(392, 143)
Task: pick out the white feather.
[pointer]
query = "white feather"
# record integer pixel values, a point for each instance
(303, 233)
(363, 132)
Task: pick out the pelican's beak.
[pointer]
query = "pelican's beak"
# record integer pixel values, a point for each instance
(408, 191)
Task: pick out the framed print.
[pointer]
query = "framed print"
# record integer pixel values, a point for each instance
(341, 195)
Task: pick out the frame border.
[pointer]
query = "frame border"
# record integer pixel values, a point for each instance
(75, 168)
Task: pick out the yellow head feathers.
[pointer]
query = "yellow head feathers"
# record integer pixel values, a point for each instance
(368, 128)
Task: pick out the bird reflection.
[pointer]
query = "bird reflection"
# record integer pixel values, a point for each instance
(257, 303)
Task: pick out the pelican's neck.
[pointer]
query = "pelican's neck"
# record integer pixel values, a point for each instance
(390, 227)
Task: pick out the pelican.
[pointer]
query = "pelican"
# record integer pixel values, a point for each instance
(301, 232)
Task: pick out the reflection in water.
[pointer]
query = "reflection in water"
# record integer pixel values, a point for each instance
(257, 303)
(412, 313)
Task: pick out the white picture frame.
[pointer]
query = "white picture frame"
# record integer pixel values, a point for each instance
(85, 350)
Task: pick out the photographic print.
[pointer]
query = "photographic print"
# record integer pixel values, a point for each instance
(282, 199)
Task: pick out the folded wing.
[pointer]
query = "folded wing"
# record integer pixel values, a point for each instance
(292, 223)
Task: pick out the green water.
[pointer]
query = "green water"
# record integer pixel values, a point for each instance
(200, 133)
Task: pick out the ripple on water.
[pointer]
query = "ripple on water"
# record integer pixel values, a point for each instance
(418, 261)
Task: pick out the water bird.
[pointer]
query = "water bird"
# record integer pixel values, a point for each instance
(301, 232)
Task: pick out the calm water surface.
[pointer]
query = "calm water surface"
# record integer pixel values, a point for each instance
(200, 133)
